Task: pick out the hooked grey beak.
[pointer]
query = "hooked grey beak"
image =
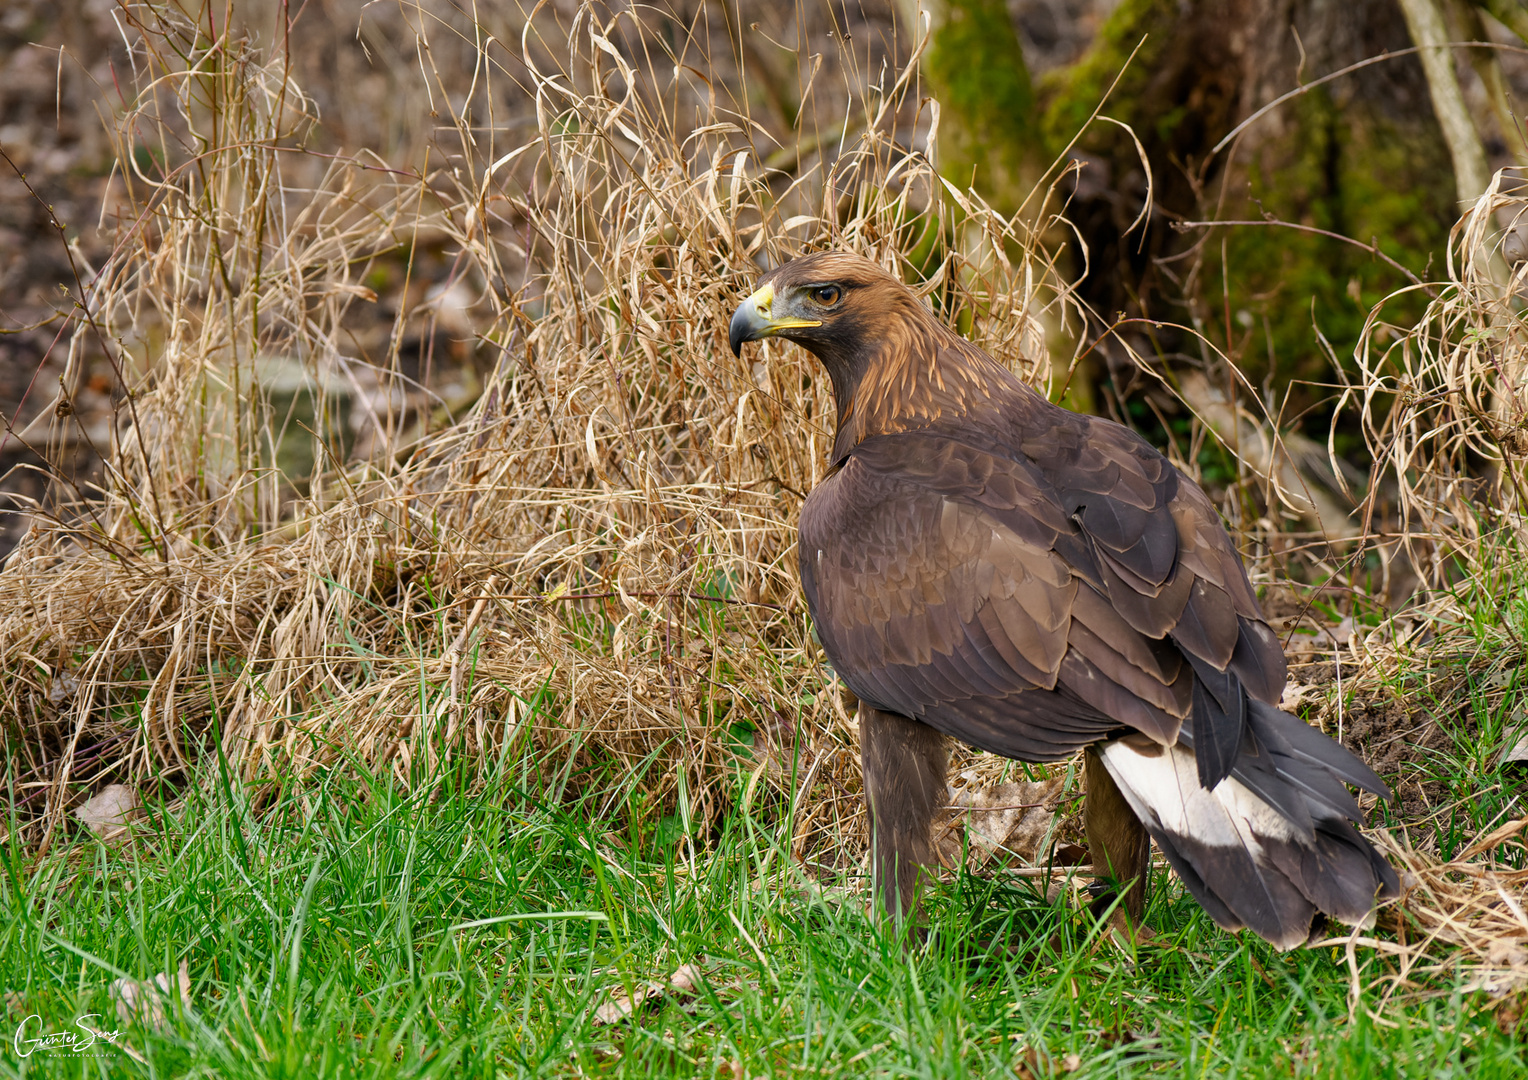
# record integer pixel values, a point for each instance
(754, 320)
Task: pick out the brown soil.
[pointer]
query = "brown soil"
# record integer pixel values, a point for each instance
(1395, 738)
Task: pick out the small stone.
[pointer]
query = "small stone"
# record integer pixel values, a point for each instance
(110, 810)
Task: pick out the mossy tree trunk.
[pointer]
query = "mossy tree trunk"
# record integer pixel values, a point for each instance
(1361, 156)
(988, 137)
(974, 67)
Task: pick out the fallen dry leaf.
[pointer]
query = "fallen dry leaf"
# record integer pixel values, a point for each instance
(1013, 819)
(1294, 693)
(148, 1001)
(109, 811)
(683, 982)
(623, 1005)
(1028, 1062)
(1504, 952)
(1494, 837)
(63, 687)
(1071, 855)
(1516, 743)
(1033, 1064)
(1509, 1015)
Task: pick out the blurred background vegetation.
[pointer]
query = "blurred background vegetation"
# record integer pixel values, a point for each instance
(259, 263)
(1217, 228)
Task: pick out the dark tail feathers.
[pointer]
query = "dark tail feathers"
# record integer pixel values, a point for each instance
(1272, 846)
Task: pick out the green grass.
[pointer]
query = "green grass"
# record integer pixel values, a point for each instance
(325, 937)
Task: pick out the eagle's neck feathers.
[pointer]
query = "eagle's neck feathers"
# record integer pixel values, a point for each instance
(918, 375)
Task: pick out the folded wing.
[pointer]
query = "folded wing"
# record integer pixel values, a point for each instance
(1031, 605)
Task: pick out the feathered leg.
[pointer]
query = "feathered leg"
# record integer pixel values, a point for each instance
(1121, 849)
(903, 763)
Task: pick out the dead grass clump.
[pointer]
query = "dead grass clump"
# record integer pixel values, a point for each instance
(1460, 921)
(595, 555)
(1444, 406)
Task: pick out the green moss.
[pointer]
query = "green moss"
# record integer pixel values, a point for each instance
(1072, 93)
(975, 68)
(1346, 172)
(1350, 169)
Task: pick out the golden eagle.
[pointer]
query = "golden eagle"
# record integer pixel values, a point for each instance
(983, 564)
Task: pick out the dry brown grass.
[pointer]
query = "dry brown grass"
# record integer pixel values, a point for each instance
(1461, 917)
(1443, 408)
(1443, 403)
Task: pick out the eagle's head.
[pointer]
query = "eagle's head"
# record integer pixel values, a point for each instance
(837, 305)
(893, 365)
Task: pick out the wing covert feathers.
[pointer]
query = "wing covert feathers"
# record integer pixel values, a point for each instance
(947, 580)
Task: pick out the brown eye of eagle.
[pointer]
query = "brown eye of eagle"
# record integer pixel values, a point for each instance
(826, 295)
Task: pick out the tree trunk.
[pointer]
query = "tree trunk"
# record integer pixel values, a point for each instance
(974, 67)
(1361, 156)
(1424, 19)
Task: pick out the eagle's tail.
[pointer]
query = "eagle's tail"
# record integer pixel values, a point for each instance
(1272, 845)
